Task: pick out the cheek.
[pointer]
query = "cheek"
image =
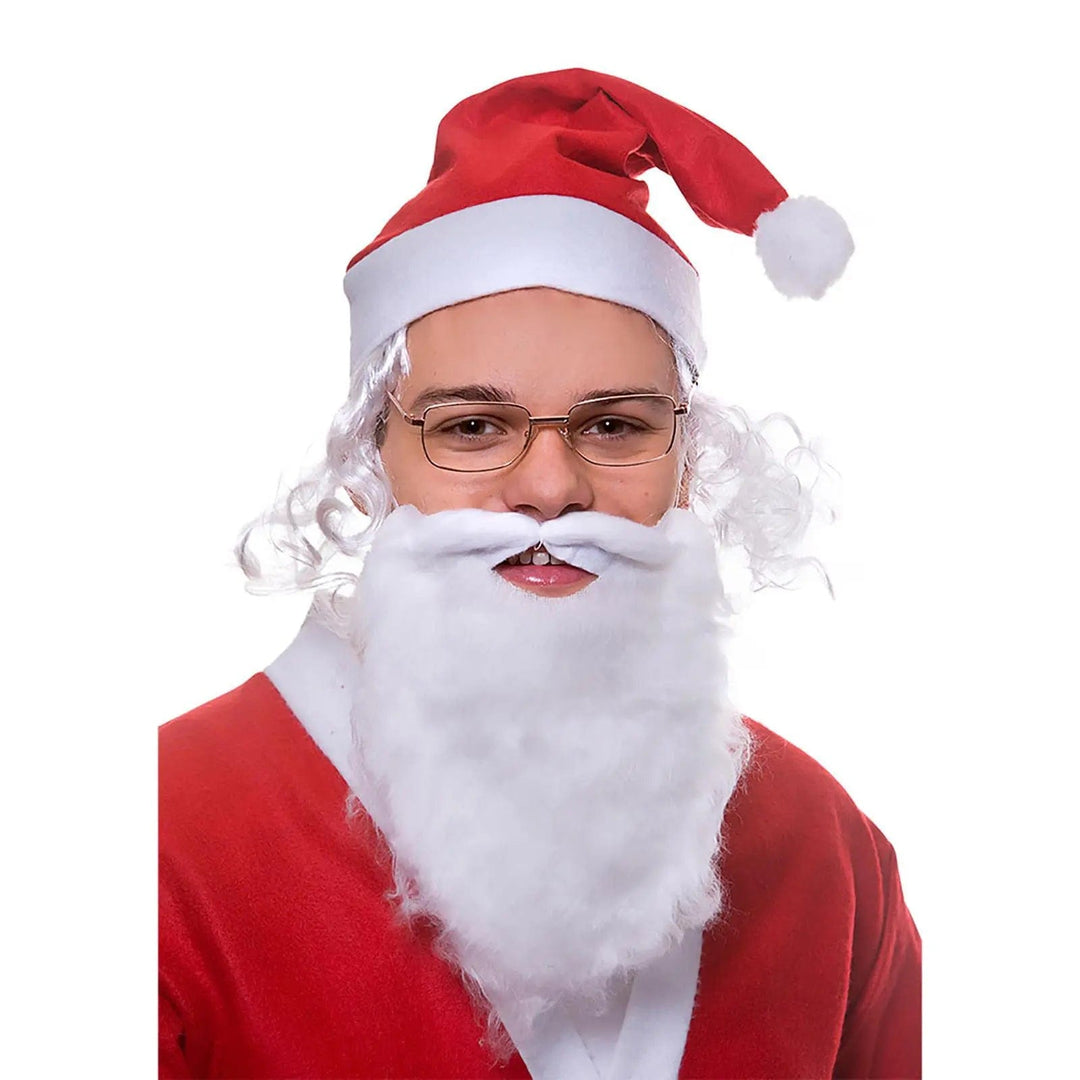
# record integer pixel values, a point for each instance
(416, 482)
(405, 465)
(645, 497)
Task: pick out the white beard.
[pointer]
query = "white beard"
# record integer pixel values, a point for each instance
(550, 774)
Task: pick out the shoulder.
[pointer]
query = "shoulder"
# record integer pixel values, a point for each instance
(807, 849)
(792, 828)
(247, 736)
(814, 934)
(199, 736)
(774, 757)
(788, 793)
(795, 838)
(234, 769)
(243, 793)
(252, 819)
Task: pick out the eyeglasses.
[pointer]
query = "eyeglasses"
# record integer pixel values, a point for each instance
(481, 436)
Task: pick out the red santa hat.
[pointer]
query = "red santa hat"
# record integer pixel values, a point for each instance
(535, 183)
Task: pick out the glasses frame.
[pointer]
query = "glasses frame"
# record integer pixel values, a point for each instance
(561, 423)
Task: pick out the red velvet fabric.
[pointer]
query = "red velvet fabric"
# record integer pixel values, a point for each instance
(586, 135)
(281, 957)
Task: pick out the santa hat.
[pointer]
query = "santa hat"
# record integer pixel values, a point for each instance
(535, 183)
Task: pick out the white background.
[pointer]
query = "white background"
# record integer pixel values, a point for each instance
(185, 184)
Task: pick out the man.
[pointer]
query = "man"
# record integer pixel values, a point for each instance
(492, 813)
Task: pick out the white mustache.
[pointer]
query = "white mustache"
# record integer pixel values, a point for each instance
(586, 539)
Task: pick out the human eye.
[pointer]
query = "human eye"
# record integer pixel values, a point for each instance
(612, 426)
(469, 428)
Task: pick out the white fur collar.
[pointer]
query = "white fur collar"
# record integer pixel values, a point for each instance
(641, 1038)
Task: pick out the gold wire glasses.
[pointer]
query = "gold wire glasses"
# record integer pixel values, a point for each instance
(481, 436)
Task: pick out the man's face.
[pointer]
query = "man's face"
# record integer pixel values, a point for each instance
(546, 350)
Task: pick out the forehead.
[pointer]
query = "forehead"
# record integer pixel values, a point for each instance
(540, 345)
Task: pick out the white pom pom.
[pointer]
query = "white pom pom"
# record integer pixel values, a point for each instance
(804, 245)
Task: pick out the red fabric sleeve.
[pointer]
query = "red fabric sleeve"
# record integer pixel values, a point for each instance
(172, 1065)
(883, 1028)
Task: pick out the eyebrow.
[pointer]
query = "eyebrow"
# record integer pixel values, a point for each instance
(621, 391)
(440, 395)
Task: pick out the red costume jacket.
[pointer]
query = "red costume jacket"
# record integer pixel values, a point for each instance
(280, 955)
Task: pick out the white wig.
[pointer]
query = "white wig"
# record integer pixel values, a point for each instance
(757, 500)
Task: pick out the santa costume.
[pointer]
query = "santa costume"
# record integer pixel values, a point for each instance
(287, 852)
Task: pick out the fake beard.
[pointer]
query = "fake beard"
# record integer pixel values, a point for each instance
(550, 774)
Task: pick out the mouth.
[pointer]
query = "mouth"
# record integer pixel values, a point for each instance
(538, 571)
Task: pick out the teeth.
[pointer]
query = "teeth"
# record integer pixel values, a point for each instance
(534, 557)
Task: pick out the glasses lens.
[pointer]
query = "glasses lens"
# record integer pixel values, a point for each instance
(472, 437)
(623, 431)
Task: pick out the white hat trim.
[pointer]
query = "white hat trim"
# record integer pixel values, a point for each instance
(522, 242)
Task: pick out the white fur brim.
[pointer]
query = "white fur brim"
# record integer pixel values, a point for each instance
(518, 243)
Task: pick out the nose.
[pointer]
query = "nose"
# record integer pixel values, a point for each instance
(549, 480)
